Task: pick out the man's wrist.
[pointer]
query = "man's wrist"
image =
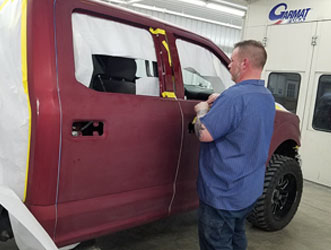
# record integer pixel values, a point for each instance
(202, 113)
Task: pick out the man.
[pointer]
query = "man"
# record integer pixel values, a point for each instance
(235, 136)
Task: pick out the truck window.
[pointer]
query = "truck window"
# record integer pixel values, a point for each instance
(126, 64)
(285, 89)
(203, 73)
(322, 112)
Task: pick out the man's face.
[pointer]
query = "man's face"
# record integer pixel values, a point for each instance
(235, 66)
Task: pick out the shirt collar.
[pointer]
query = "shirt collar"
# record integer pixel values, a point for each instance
(252, 82)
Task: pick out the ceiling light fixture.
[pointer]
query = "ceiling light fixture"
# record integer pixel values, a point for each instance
(226, 9)
(114, 1)
(196, 2)
(238, 6)
(148, 7)
(221, 5)
(133, 1)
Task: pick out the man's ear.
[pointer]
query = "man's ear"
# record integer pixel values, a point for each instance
(245, 63)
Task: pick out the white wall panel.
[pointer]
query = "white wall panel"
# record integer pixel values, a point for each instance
(224, 37)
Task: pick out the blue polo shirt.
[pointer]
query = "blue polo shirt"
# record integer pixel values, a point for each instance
(232, 167)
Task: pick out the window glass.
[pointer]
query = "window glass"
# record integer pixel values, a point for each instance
(203, 73)
(322, 112)
(285, 89)
(114, 57)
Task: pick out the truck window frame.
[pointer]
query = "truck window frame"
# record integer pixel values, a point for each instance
(155, 67)
(203, 95)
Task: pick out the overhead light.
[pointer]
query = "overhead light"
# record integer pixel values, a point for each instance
(114, 1)
(238, 6)
(148, 7)
(133, 1)
(220, 6)
(196, 2)
(209, 5)
(226, 9)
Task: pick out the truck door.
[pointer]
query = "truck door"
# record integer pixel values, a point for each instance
(120, 138)
(200, 73)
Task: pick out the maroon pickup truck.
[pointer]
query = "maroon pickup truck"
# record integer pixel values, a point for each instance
(111, 147)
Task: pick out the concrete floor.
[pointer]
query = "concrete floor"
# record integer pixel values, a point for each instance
(310, 229)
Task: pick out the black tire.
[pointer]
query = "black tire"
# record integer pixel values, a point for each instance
(281, 195)
(6, 232)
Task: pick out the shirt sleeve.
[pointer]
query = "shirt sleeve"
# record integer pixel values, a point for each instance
(223, 117)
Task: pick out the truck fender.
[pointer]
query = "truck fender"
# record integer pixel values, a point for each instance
(285, 132)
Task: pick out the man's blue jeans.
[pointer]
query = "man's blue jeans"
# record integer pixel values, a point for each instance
(222, 229)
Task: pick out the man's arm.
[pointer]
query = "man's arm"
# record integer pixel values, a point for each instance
(200, 130)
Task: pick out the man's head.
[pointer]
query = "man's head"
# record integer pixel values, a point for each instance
(247, 60)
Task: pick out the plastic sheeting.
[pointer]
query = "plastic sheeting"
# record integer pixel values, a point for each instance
(29, 235)
(205, 63)
(94, 35)
(148, 86)
(14, 106)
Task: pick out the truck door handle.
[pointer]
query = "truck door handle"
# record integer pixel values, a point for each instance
(87, 128)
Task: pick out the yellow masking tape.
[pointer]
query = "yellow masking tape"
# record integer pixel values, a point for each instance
(4, 3)
(157, 31)
(279, 107)
(25, 83)
(168, 94)
(165, 44)
(167, 48)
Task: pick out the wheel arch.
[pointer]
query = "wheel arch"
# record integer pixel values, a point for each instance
(286, 136)
(287, 148)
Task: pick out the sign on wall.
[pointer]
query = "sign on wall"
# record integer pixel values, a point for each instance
(281, 14)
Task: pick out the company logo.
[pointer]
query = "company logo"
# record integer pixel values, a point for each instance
(280, 13)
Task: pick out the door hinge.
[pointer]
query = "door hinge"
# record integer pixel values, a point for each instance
(264, 41)
(314, 40)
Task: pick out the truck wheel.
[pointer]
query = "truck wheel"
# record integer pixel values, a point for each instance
(281, 195)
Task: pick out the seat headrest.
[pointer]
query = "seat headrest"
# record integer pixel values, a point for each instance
(122, 68)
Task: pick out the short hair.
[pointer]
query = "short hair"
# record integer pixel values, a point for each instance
(254, 50)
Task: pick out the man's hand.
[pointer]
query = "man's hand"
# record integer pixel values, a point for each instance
(200, 130)
(201, 109)
(212, 98)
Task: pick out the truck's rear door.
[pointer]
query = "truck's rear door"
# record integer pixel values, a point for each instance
(120, 139)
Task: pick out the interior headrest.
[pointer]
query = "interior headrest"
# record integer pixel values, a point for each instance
(122, 68)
